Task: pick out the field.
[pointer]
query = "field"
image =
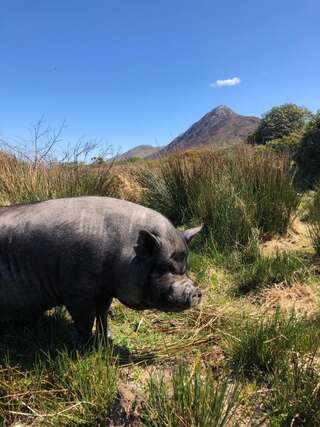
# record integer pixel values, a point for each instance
(248, 355)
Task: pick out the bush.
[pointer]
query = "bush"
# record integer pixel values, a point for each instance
(279, 122)
(190, 398)
(287, 145)
(308, 154)
(219, 204)
(265, 182)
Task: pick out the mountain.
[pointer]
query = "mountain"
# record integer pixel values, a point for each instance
(219, 127)
(141, 151)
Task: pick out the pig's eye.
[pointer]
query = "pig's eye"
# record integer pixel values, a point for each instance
(166, 268)
(172, 269)
(178, 256)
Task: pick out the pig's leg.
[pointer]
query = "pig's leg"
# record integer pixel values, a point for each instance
(102, 308)
(83, 314)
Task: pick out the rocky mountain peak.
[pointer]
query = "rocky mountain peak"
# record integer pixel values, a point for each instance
(220, 126)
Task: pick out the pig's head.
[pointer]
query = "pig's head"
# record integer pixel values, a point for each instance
(163, 264)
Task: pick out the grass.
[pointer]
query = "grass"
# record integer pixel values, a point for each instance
(169, 188)
(190, 398)
(236, 193)
(24, 182)
(314, 216)
(296, 392)
(46, 380)
(266, 182)
(265, 271)
(258, 345)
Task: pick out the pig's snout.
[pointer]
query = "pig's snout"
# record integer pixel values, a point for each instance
(193, 296)
(196, 297)
(190, 295)
(179, 295)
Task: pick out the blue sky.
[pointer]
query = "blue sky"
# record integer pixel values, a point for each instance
(141, 72)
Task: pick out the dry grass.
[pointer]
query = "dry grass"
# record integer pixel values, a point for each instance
(23, 182)
(297, 238)
(298, 297)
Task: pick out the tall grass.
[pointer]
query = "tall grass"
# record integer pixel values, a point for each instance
(257, 346)
(236, 193)
(282, 354)
(296, 392)
(314, 217)
(22, 182)
(218, 203)
(265, 181)
(169, 188)
(65, 391)
(190, 398)
(46, 381)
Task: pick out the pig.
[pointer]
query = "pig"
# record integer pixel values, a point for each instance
(82, 252)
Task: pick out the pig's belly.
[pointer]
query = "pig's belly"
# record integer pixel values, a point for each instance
(20, 299)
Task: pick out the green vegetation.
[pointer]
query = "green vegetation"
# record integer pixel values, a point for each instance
(296, 395)
(308, 153)
(235, 193)
(45, 379)
(169, 188)
(249, 354)
(260, 345)
(281, 353)
(294, 131)
(23, 182)
(287, 145)
(314, 217)
(190, 398)
(279, 122)
(283, 267)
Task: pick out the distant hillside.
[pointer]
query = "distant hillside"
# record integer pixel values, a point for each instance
(219, 127)
(141, 151)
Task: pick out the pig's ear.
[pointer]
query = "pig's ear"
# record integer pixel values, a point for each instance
(147, 243)
(188, 235)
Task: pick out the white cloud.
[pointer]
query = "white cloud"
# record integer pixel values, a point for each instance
(226, 82)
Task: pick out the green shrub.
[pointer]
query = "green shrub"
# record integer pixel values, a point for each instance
(287, 145)
(265, 181)
(314, 218)
(227, 217)
(308, 154)
(190, 398)
(280, 121)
